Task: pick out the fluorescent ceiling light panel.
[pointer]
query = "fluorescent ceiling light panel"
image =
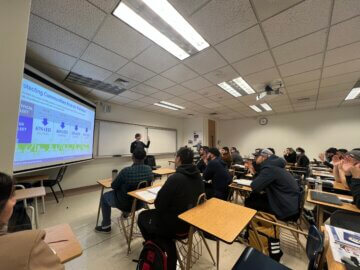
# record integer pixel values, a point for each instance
(170, 15)
(244, 85)
(126, 14)
(229, 89)
(266, 107)
(172, 105)
(255, 108)
(165, 106)
(353, 93)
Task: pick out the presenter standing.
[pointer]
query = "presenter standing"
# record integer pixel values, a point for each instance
(138, 143)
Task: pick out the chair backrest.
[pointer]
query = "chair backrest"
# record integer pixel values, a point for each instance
(150, 160)
(61, 173)
(201, 199)
(314, 247)
(135, 186)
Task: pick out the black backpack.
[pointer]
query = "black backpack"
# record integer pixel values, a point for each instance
(152, 257)
(19, 220)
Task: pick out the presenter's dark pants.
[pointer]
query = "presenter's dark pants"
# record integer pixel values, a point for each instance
(149, 225)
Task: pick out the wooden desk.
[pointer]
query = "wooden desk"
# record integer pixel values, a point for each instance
(332, 264)
(322, 174)
(222, 219)
(65, 250)
(133, 209)
(164, 171)
(104, 183)
(340, 186)
(33, 179)
(31, 193)
(239, 190)
(346, 206)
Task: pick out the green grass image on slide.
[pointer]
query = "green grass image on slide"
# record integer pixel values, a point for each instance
(41, 148)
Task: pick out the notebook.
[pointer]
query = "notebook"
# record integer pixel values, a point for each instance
(324, 197)
(243, 182)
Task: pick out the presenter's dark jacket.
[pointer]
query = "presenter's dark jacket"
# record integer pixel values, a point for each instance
(179, 194)
(136, 144)
(281, 188)
(218, 173)
(127, 180)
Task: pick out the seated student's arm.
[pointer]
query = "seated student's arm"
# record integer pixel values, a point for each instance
(132, 147)
(209, 171)
(119, 180)
(165, 195)
(265, 178)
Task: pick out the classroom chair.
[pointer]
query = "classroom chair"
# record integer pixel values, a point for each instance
(52, 182)
(183, 243)
(254, 260)
(150, 160)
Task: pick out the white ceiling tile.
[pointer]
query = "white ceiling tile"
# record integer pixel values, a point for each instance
(337, 88)
(351, 102)
(156, 59)
(101, 57)
(230, 102)
(191, 96)
(344, 33)
(40, 53)
(79, 17)
(221, 75)
(120, 100)
(105, 5)
(120, 38)
(254, 63)
(324, 95)
(149, 100)
(197, 83)
(302, 65)
(179, 73)
(303, 86)
(52, 36)
(299, 48)
(307, 93)
(100, 95)
(243, 45)
(177, 100)
(344, 10)
(344, 78)
(303, 77)
(220, 19)
(283, 109)
(91, 71)
(187, 7)
(136, 72)
(210, 91)
(212, 105)
(203, 101)
(177, 90)
(266, 8)
(298, 21)
(260, 79)
(131, 95)
(144, 89)
(136, 104)
(159, 82)
(162, 95)
(55, 73)
(342, 68)
(342, 54)
(114, 77)
(205, 61)
(327, 104)
(221, 96)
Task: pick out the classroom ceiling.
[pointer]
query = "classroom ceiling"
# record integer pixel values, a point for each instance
(312, 46)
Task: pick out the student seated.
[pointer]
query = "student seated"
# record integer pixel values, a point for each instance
(179, 193)
(302, 161)
(225, 156)
(326, 158)
(345, 219)
(201, 165)
(282, 193)
(25, 249)
(272, 150)
(290, 155)
(217, 171)
(127, 180)
(236, 157)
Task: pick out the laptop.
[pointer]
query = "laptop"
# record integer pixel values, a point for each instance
(324, 197)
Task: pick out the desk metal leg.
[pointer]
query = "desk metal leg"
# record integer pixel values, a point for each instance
(43, 198)
(217, 253)
(36, 213)
(320, 216)
(133, 209)
(190, 240)
(98, 214)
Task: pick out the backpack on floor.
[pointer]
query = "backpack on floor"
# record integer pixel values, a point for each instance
(269, 236)
(19, 220)
(152, 257)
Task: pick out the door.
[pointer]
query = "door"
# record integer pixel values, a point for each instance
(211, 130)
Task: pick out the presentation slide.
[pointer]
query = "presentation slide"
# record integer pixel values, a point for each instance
(52, 128)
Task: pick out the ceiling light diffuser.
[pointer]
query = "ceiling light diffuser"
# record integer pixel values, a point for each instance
(255, 108)
(266, 107)
(229, 89)
(166, 106)
(126, 14)
(353, 93)
(244, 85)
(172, 105)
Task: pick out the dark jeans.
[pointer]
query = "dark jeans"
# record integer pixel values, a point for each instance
(346, 220)
(149, 225)
(258, 202)
(212, 193)
(107, 201)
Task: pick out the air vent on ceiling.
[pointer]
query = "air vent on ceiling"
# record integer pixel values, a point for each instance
(303, 100)
(98, 85)
(190, 114)
(214, 113)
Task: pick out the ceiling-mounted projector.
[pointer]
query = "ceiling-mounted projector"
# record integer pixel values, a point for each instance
(270, 92)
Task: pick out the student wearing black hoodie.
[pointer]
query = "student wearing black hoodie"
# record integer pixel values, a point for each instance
(179, 193)
(217, 171)
(282, 193)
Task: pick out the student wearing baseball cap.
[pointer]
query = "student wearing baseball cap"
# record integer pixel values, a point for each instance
(282, 193)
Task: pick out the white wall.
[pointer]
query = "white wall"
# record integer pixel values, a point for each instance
(315, 131)
(190, 126)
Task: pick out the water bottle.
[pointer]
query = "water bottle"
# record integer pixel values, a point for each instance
(114, 174)
(318, 185)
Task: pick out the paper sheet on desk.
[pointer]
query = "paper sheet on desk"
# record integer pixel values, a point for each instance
(243, 182)
(343, 243)
(149, 194)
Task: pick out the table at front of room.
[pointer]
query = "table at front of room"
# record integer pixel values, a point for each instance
(346, 206)
(222, 219)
